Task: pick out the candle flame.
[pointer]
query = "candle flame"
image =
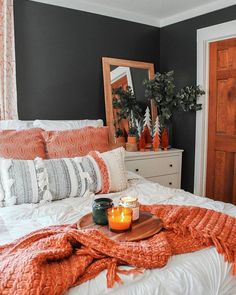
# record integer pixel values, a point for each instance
(122, 216)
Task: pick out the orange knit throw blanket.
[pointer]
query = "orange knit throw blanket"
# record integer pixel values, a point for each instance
(51, 260)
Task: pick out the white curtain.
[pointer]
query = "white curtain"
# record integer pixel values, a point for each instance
(8, 96)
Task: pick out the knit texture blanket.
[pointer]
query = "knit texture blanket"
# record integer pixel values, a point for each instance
(51, 260)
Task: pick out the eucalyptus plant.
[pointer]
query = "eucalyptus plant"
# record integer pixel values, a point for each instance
(125, 101)
(128, 108)
(161, 89)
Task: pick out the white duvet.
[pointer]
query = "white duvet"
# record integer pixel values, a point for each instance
(200, 273)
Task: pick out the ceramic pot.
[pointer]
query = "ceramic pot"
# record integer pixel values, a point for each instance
(132, 139)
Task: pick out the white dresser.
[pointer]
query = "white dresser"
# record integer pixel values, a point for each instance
(163, 167)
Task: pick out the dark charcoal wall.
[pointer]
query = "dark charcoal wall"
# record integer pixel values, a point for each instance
(59, 51)
(178, 52)
(59, 72)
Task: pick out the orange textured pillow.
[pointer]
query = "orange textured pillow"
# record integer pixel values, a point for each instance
(22, 145)
(76, 143)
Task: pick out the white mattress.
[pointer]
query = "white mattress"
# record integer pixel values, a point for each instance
(201, 273)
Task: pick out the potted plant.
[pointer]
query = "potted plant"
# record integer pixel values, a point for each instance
(161, 90)
(132, 135)
(124, 101)
(120, 139)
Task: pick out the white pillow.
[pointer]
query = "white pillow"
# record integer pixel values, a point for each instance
(15, 125)
(114, 160)
(50, 125)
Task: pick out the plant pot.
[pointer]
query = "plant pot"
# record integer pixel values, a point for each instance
(132, 139)
(131, 147)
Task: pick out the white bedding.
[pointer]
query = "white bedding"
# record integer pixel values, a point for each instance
(201, 273)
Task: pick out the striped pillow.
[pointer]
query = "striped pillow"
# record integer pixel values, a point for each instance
(34, 181)
(20, 182)
(22, 145)
(76, 143)
(71, 177)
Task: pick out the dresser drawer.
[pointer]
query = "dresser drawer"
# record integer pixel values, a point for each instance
(172, 180)
(151, 167)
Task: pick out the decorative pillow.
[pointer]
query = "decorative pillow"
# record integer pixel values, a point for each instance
(106, 184)
(50, 125)
(20, 182)
(15, 125)
(22, 145)
(71, 177)
(115, 163)
(34, 181)
(74, 143)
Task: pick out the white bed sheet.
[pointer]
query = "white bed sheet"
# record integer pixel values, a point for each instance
(200, 273)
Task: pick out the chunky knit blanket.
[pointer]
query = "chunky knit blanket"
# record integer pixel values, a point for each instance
(51, 260)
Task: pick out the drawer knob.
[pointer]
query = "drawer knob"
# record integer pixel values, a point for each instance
(170, 183)
(171, 165)
(136, 170)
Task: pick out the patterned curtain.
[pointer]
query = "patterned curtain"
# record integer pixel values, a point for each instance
(8, 97)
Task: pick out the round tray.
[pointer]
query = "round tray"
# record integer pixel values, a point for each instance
(147, 226)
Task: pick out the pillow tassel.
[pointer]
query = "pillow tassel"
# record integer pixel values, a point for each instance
(2, 194)
(42, 179)
(8, 182)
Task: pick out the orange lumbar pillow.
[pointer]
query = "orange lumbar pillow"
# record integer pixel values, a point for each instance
(22, 145)
(76, 143)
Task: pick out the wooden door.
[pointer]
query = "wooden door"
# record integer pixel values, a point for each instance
(122, 82)
(221, 157)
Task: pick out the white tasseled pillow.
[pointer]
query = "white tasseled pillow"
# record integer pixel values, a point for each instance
(116, 166)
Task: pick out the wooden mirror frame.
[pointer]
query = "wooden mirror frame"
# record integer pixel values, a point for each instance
(106, 63)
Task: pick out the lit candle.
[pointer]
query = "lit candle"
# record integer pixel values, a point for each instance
(119, 218)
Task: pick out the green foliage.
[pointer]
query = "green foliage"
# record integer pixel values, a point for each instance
(119, 133)
(126, 102)
(133, 131)
(161, 90)
(187, 98)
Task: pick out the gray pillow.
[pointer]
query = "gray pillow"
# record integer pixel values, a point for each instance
(34, 181)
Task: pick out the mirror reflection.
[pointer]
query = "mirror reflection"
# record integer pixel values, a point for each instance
(126, 104)
(132, 77)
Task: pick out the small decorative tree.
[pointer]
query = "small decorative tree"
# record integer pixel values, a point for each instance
(164, 139)
(147, 119)
(157, 127)
(148, 138)
(156, 135)
(142, 142)
(156, 142)
(138, 123)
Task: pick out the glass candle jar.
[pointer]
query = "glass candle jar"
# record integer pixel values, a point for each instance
(131, 202)
(119, 219)
(99, 212)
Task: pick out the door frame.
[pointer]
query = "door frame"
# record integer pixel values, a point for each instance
(204, 37)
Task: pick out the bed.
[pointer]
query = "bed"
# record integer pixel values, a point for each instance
(203, 272)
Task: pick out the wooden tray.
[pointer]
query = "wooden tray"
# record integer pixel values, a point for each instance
(147, 226)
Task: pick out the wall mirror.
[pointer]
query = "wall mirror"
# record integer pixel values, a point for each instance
(119, 73)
